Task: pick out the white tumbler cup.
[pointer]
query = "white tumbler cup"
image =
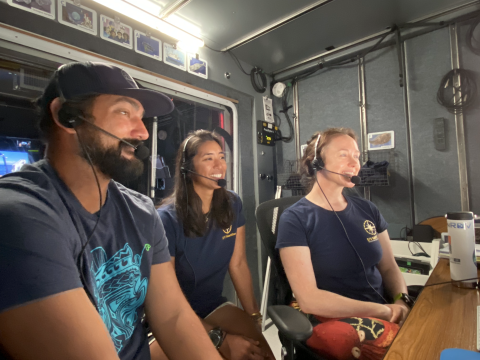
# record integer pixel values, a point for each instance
(463, 262)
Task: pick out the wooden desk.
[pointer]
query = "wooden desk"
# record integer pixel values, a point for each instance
(443, 317)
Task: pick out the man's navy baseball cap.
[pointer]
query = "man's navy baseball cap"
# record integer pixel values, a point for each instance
(94, 78)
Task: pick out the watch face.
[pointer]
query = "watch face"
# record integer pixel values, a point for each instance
(407, 300)
(215, 335)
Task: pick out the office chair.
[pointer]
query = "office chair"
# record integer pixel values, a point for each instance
(293, 327)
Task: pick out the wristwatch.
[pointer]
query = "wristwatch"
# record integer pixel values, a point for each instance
(405, 298)
(217, 336)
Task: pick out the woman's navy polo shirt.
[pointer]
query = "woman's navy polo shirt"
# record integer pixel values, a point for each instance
(201, 263)
(336, 266)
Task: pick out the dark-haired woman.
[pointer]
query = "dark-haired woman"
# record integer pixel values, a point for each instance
(337, 256)
(205, 228)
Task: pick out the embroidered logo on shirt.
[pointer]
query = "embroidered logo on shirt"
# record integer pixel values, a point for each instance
(371, 230)
(119, 290)
(228, 232)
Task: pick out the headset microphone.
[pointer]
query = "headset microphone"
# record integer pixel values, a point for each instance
(141, 151)
(354, 179)
(220, 182)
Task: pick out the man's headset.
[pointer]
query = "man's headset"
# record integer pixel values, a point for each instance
(318, 165)
(71, 117)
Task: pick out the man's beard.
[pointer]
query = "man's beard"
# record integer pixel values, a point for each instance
(110, 161)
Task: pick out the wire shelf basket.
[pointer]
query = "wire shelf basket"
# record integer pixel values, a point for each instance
(289, 178)
(374, 177)
(377, 175)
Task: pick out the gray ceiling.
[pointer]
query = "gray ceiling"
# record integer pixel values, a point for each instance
(338, 22)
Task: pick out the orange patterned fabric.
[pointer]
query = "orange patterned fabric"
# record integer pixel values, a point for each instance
(353, 338)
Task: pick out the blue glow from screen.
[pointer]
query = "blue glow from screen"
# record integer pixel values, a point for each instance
(11, 161)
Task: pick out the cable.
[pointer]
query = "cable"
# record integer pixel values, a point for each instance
(208, 47)
(448, 90)
(452, 281)
(470, 38)
(256, 72)
(348, 238)
(235, 59)
(285, 108)
(424, 253)
(321, 65)
(79, 259)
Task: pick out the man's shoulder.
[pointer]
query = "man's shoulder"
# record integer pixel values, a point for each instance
(30, 186)
(134, 199)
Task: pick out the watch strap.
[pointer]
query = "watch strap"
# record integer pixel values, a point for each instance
(405, 298)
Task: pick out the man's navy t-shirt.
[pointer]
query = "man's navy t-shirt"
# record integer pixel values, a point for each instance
(42, 229)
(201, 263)
(336, 266)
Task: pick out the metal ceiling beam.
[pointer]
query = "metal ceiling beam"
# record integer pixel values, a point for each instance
(172, 8)
(417, 23)
(277, 24)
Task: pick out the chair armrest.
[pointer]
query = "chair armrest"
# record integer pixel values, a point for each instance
(290, 322)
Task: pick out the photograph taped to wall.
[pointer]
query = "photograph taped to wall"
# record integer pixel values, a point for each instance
(174, 57)
(148, 45)
(116, 32)
(77, 16)
(381, 140)
(44, 8)
(197, 67)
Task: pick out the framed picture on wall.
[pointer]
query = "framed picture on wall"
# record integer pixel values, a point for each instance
(44, 8)
(197, 67)
(116, 32)
(148, 45)
(381, 140)
(174, 57)
(77, 16)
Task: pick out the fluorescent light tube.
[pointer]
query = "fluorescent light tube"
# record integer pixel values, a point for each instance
(152, 21)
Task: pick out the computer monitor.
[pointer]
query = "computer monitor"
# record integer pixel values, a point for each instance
(11, 161)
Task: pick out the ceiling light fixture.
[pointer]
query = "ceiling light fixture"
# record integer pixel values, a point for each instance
(134, 12)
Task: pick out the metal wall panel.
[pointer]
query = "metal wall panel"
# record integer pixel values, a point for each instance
(436, 177)
(385, 110)
(329, 99)
(471, 61)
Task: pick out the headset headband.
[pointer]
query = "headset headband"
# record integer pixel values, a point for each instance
(316, 145)
(59, 88)
(184, 148)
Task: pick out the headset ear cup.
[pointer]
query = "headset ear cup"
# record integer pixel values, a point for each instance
(68, 117)
(320, 163)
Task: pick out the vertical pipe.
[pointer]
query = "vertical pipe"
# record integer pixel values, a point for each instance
(296, 123)
(153, 158)
(362, 102)
(403, 68)
(459, 122)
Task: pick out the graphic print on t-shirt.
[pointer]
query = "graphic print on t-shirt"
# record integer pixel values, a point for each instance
(371, 230)
(119, 290)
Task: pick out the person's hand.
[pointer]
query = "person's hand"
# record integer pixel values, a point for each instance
(399, 313)
(383, 312)
(236, 347)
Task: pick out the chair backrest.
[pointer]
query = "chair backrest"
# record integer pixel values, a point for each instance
(264, 215)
